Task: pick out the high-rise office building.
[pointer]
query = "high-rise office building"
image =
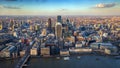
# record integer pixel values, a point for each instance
(1, 25)
(44, 32)
(59, 19)
(67, 21)
(12, 25)
(31, 27)
(36, 27)
(58, 30)
(49, 24)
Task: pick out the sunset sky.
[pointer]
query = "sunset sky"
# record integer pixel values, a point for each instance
(61, 7)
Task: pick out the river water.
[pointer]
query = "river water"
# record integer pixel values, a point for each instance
(74, 62)
(8, 63)
(86, 61)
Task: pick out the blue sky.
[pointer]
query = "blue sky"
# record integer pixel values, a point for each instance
(62, 7)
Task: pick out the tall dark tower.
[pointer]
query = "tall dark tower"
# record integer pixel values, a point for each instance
(49, 25)
(67, 21)
(59, 19)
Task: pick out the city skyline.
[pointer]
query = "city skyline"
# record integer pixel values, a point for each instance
(62, 7)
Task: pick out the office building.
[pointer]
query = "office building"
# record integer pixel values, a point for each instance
(44, 32)
(31, 27)
(67, 21)
(36, 27)
(49, 24)
(22, 53)
(64, 53)
(59, 19)
(58, 30)
(11, 25)
(8, 52)
(1, 25)
(33, 51)
(45, 51)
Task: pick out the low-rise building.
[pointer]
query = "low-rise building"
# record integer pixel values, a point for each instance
(64, 53)
(45, 51)
(8, 52)
(22, 53)
(33, 51)
(80, 50)
(78, 44)
(107, 47)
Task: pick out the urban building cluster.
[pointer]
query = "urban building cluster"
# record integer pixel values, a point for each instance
(59, 36)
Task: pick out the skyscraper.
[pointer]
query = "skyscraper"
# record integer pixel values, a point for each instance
(44, 32)
(1, 25)
(67, 21)
(12, 25)
(36, 27)
(58, 30)
(59, 19)
(49, 24)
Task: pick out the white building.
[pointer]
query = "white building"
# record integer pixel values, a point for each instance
(58, 30)
(107, 47)
(45, 51)
(33, 51)
(78, 44)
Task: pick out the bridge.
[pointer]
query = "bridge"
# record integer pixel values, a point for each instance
(22, 62)
(24, 59)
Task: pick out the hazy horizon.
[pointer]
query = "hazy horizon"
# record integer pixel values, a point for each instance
(60, 7)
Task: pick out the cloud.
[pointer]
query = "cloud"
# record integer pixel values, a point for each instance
(1, 6)
(63, 9)
(105, 5)
(42, 0)
(9, 7)
(28, 0)
(12, 7)
(10, 0)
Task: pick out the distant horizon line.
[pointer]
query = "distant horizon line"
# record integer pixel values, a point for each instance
(60, 15)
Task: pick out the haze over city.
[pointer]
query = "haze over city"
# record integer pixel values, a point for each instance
(59, 33)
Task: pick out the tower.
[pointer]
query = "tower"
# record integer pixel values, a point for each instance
(67, 21)
(36, 27)
(59, 19)
(44, 32)
(1, 25)
(12, 25)
(49, 24)
(58, 30)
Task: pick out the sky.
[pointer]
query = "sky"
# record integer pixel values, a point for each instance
(59, 7)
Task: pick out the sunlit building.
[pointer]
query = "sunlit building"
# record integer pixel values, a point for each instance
(36, 27)
(44, 32)
(11, 25)
(33, 51)
(45, 51)
(1, 25)
(58, 30)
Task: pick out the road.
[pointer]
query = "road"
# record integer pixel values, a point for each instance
(24, 59)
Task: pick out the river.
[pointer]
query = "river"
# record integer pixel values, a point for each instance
(86, 61)
(74, 62)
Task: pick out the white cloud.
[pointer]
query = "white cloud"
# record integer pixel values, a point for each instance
(9, 7)
(105, 5)
(63, 9)
(1, 6)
